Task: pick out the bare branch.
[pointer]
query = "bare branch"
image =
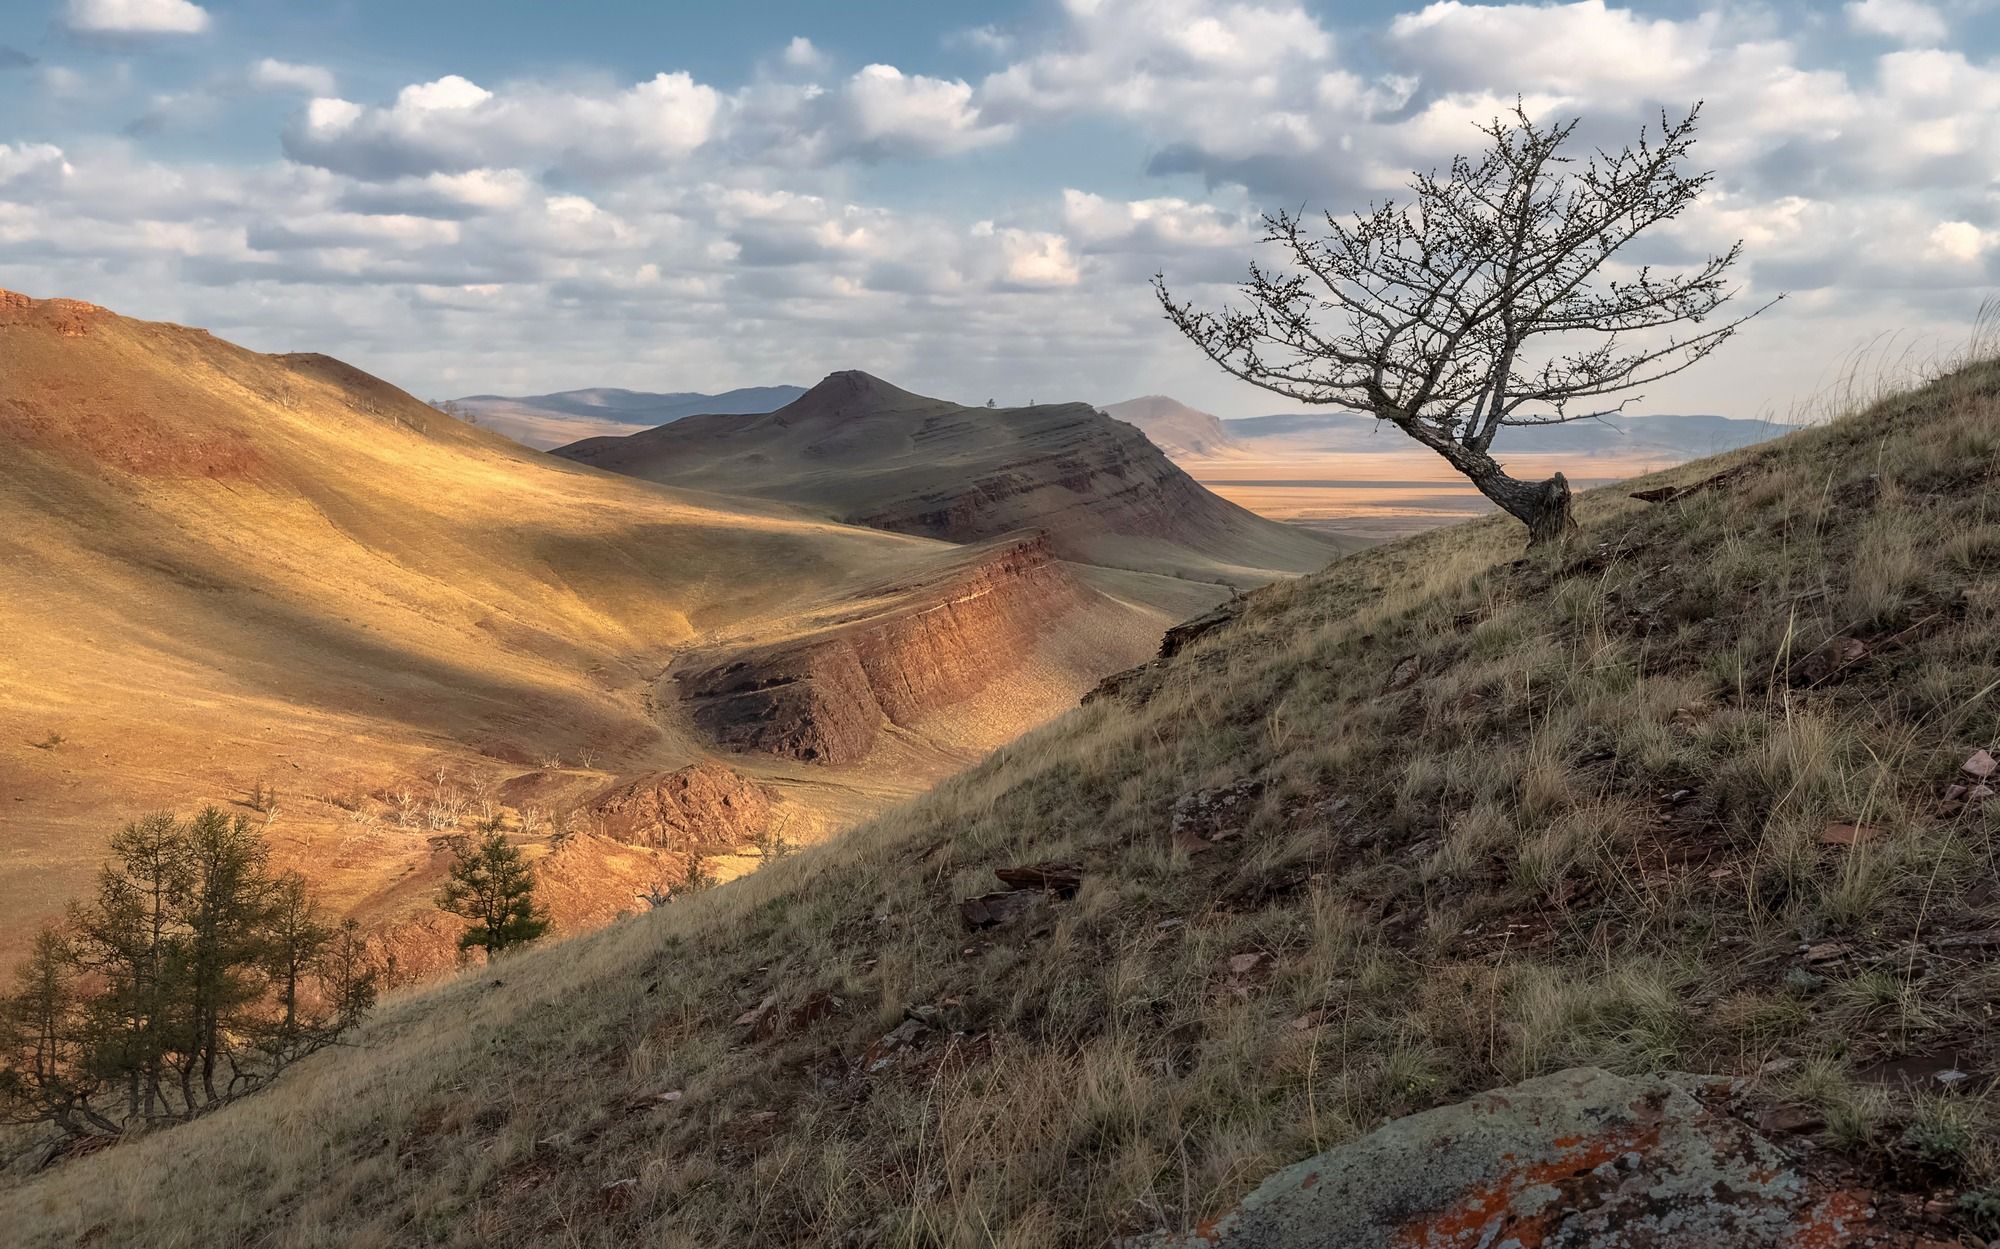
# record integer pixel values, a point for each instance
(1471, 306)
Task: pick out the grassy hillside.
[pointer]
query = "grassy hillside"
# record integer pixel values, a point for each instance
(1436, 819)
(220, 568)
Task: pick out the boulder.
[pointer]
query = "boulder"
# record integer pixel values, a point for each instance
(1582, 1159)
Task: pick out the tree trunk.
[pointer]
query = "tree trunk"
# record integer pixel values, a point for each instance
(1543, 506)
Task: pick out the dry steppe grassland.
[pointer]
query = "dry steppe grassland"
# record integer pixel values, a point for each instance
(1689, 792)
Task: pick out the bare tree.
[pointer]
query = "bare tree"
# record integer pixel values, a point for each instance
(1491, 299)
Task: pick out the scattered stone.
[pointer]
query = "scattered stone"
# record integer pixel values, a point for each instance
(891, 1048)
(993, 909)
(1831, 660)
(1981, 765)
(1952, 1078)
(818, 1005)
(750, 1126)
(1978, 794)
(754, 1018)
(1189, 844)
(1177, 639)
(1244, 964)
(1848, 834)
(1824, 951)
(1784, 1120)
(1581, 1159)
(1211, 814)
(1062, 879)
(1167, 925)
(1969, 940)
(1406, 672)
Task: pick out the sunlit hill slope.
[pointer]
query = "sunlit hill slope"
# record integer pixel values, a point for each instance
(221, 570)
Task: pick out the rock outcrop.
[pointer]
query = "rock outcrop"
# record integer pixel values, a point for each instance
(1581, 1159)
(824, 699)
(703, 804)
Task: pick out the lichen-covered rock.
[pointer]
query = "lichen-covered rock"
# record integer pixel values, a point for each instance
(1581, 1159)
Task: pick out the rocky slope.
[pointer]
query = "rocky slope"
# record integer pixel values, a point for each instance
(859, 450)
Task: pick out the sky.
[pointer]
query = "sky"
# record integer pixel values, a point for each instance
(509, 196)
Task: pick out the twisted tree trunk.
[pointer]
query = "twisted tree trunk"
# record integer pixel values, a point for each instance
(1543, 506)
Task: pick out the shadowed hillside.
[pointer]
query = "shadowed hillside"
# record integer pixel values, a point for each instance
(222, 571)
(1707, 790)
(857, 449)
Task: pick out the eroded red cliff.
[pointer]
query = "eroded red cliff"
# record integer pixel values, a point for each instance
(825, 698)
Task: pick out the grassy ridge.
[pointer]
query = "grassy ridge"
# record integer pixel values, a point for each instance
(1491, 817)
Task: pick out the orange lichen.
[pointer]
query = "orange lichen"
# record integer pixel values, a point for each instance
(1470, 1219)
(1833, 1222)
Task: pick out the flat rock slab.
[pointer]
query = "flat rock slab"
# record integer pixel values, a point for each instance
(1581, 1159)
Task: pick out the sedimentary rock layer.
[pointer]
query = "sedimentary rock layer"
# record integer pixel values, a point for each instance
(824, 698)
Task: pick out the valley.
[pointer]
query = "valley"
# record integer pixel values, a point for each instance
(276, 583)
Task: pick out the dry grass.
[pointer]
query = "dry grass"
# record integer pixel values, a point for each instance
(1504, 815)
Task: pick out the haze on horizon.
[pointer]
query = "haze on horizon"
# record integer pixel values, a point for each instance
(506, 198)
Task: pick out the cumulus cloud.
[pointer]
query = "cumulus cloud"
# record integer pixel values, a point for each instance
(1567, 48)
(1908, 21)
(603, 228)
(28, 165)
(1961, 241)
(1145, 58)
(452, 124)
(801, 54)
(135, 17)
(988, 39)
(911, 115)
(274, 75)
(1031, 258)
(1102, 224)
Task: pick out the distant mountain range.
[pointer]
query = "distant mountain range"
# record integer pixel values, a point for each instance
(1187, 433)
(1680, 436)
(545, 421)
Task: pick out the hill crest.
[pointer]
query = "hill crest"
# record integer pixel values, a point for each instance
(862, 450)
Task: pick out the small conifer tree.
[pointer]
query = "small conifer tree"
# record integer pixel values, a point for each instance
(492, 886)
